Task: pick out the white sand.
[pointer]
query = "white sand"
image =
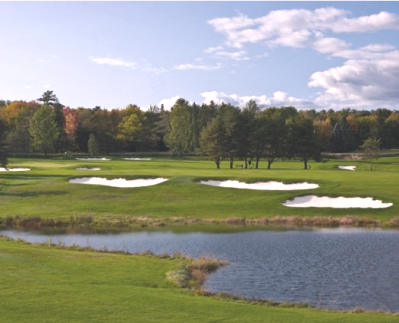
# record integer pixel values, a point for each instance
(137, 158)
(14, 169)
(85, 168)
(336, 202)
(347, 167)
(278, 186)
(93, 159)
(118, 182)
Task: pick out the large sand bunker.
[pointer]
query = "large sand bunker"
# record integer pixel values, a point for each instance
(137, 158)
(2, 169)
(93, 159)
(347, 167)
(336, 202)
(277, 186)
(85, 168)
(118, 182)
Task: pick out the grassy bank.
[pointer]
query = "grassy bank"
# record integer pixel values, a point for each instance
(46, 284)
(45, 193)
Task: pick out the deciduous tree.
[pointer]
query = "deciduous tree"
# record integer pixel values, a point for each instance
(371, 149)
(44, 130)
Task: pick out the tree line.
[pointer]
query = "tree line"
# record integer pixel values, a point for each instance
(219, 131)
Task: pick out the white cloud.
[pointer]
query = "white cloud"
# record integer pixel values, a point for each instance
(361, 82)
(328, 45)
(369, 76)
(186, 67)
(211, 50)
(299, 28)
(290, 38)
(47, 86)
(27, 87)
(237, 56)
(169, 103)
(279, 98)
(382, 20)
(113, 62)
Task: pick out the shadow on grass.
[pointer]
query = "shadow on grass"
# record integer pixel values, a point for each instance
(34, 194)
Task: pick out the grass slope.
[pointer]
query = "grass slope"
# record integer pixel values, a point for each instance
(44, 191)
(44, 284)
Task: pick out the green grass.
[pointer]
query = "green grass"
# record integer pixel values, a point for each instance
(45, 192)
(45, 284)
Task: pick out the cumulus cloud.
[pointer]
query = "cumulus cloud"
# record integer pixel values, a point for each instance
(329, 45)
(169, 103)
(113, 62)
(369, 76)
(361, 82)
(299, 27)
(279, 98)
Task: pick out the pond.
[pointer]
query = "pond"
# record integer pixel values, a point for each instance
(328, 268)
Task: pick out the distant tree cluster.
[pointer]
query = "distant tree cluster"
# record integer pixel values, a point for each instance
(220, 132)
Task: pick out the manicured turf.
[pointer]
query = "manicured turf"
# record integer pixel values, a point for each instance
(44, 191)
(44, 284)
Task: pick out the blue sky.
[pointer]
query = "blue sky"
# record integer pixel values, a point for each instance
(318, 54)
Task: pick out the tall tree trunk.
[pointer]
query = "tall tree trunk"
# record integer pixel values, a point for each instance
(269, 163)
(305, 163)
(231, 162)
(257, 162)
(217, 162)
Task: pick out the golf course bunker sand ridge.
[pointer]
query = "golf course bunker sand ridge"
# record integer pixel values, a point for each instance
(118, 182)
(336, 202)
(85, 168)
(2, 169)
(93, 159)
(137, 158)
(270, 185)
(347, 167)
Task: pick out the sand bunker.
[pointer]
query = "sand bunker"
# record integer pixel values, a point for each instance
(277, 186)
(2, 169)
(347, 167)
(137, 158)
(85, 168)
(118, 182)
(93, 159)
(336, 202)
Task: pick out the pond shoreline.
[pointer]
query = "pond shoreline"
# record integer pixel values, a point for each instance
(193, 282)
(37, 222)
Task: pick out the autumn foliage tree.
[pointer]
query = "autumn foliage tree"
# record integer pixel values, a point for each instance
(71, 126)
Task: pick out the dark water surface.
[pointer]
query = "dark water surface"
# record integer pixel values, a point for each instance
(331, 268)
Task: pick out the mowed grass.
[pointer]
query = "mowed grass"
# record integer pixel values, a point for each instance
(45, 284)
(44, 191)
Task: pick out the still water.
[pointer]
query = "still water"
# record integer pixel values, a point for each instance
(328, 268)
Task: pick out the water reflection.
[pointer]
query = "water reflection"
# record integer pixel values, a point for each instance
(333, 268)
